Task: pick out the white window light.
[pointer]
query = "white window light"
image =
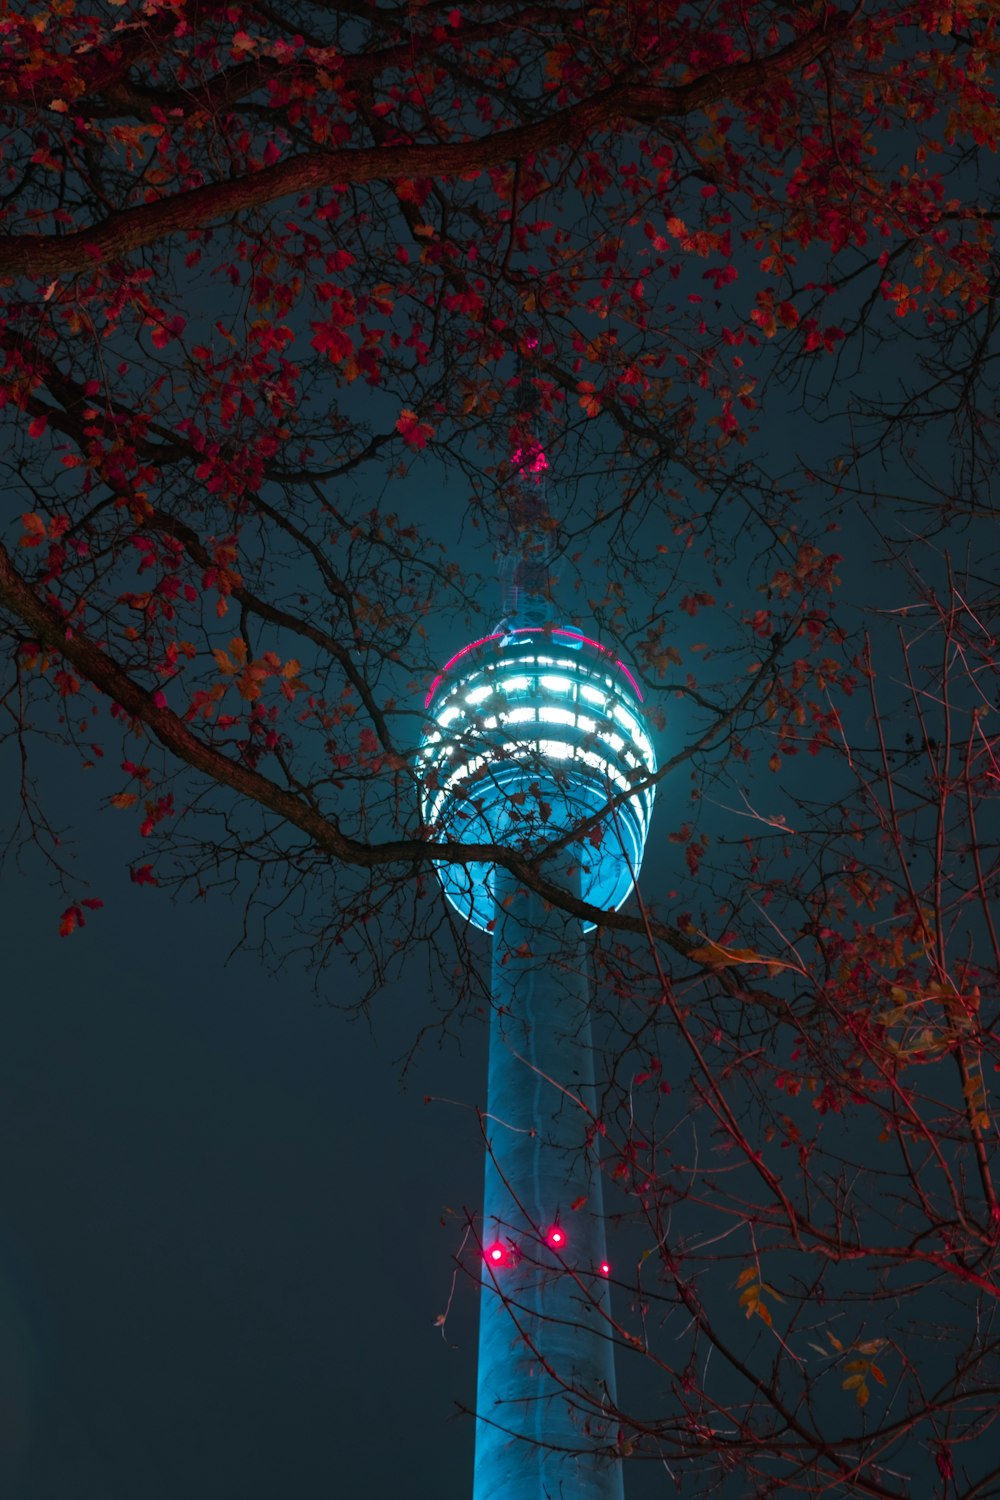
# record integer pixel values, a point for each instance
(614, 740)
(551, 715)
(556, 749)
(627, 720)
(465, 772)
(556, 684)
(587, 724)
(635, 730)
(592, 694)
(645, 747)
(435, 807)
(599, 764)
(447, 715)
(515, 684)
(478, 694)
(518, 716)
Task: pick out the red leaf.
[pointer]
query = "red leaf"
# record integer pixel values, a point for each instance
(332, 341)
(37, 426)
(162, 334)
(34, 530)
(413, 432)
(71, 918)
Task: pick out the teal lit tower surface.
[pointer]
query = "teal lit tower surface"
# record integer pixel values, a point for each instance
(533, 733)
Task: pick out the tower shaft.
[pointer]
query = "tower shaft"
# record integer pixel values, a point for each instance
(546, 1352)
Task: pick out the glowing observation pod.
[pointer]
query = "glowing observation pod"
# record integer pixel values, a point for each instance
(532, 732)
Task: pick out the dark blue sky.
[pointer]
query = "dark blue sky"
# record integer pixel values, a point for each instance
(220, 1249)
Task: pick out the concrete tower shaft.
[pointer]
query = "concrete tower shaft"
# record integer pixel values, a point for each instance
(546, 1388)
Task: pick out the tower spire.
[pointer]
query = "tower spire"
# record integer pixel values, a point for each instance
(526, 547)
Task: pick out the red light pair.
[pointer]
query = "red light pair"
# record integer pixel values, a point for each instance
(498, 1255)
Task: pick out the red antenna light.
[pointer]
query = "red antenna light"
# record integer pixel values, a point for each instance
(556, 1236)
(529, 458)
(496, 1255)
(605, 1268)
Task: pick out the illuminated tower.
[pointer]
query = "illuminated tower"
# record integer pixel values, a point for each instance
(534, 733)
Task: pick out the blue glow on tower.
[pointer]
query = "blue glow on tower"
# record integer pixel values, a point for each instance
(533, 733)
(537, 716)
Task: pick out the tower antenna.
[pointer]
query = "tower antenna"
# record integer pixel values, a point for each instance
(527, 541)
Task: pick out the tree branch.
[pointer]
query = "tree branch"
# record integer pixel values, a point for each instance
(133, 228)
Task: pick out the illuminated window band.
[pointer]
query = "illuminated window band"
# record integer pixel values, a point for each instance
(574, 636)
(538, 715)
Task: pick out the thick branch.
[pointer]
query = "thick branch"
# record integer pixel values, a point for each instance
(133, 228)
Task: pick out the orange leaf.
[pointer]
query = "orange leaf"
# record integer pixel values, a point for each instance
(34, 530)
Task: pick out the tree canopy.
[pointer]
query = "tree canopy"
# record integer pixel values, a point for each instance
(265, 272)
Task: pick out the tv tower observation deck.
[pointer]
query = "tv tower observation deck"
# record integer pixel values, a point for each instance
(533, 733)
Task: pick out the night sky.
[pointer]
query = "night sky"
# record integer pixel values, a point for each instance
(221, 1256)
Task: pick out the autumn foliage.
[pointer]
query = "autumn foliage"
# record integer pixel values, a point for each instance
(266, 275)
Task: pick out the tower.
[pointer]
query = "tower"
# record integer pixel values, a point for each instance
(534, 740)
